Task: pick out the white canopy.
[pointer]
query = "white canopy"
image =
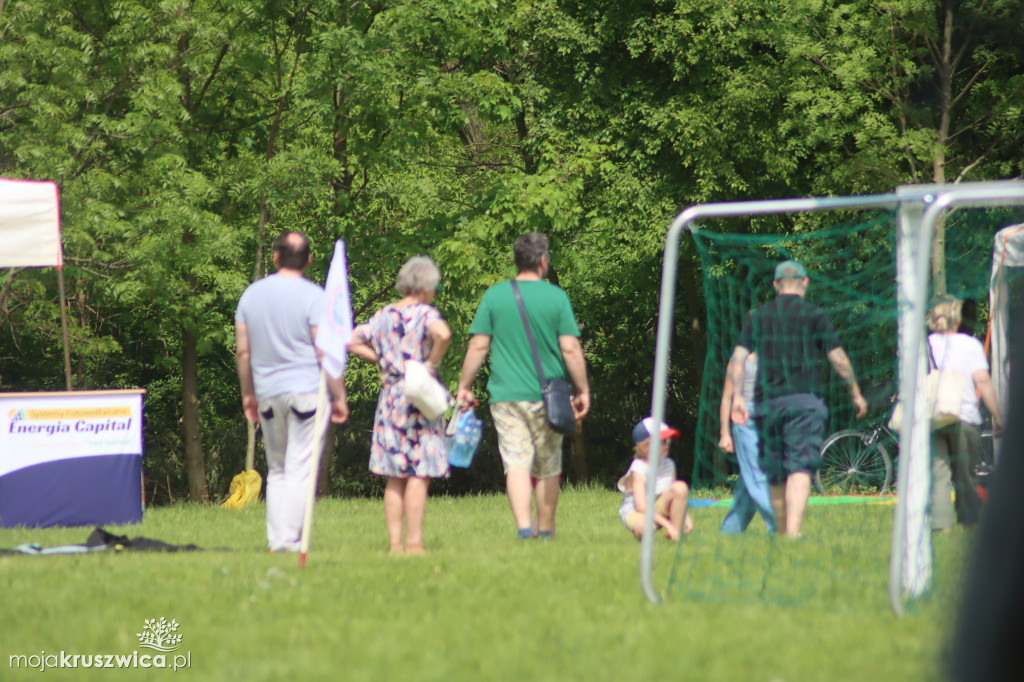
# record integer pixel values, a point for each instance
(1007, 253)
(29, 224)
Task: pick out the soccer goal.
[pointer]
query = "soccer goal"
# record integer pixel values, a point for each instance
(876, 282)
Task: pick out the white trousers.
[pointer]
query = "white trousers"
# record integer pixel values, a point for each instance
(288, 422)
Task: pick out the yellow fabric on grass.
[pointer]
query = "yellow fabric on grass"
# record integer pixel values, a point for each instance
(244, 489)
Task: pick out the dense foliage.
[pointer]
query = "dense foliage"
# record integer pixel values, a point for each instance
(184, 135)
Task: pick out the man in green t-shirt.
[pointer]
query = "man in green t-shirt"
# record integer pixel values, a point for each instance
(528, 446)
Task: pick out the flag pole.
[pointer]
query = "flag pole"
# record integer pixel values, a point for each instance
(332, 337)
(318, 446)
(64, 326)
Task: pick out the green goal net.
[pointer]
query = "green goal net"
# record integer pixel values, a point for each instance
(852, 272)
(843, 558)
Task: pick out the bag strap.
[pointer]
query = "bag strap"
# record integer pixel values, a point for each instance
(529, 333)
(931, 354)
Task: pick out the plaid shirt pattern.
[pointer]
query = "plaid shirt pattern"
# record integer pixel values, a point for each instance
(791, 337)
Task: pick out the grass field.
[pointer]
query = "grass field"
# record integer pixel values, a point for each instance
(481, 605)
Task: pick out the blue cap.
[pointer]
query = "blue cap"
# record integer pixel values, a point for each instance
(642, 431)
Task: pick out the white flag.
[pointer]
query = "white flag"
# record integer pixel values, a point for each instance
(335, 330)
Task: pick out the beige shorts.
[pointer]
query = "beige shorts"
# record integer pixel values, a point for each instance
(525, 440)
(660, 507)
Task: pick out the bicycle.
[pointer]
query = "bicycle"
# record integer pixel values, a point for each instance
(986, 465)
(855, 462)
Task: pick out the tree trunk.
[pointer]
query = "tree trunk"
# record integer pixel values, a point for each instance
(261, 233)
(83, 319)
(523, 132)
(944, 70)
(342, 186)
(578, 455)
(195, 467)
(692, 286)
(472, 134)
(698, 338)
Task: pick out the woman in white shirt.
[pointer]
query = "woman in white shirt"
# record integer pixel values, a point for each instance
(956, 449)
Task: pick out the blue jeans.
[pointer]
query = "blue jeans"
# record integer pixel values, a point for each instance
(751, 493)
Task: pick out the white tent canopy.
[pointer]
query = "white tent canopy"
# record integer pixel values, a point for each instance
(1008, 253)
(29, 224)
(30, 234)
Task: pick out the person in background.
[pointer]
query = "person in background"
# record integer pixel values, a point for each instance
(956, 449)
(751, 495)
(791, 337)
(279, 373)
(528, 445)
(671, 495)
(407, 448)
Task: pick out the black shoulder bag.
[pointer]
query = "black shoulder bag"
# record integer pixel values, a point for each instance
(556, 393)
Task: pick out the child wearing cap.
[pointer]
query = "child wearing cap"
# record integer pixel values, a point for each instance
(671, 494)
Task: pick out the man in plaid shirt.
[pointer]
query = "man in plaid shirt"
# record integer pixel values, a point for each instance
(791, 337)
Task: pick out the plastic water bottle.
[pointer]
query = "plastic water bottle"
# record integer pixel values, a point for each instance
(462, 446)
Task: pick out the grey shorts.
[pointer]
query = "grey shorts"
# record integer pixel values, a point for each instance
(792, 428)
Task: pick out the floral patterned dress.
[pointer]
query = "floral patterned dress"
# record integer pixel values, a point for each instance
(405, 443)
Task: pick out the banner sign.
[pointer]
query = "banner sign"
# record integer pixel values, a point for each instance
(37, 428)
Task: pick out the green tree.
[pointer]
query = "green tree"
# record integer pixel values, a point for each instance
(99, 108)
(908, 91)
(185, 135)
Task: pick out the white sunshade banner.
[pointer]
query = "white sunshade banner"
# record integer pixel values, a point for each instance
(29, 224)
(37, 428)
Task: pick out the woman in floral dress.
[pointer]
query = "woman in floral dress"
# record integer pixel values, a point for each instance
(407, 448)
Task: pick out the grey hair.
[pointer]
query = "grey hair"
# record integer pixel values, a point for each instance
(419, 274)
(945, 316)
(528, 249)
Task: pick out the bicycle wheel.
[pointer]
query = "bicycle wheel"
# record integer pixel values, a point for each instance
(849, 466)
(987, 458)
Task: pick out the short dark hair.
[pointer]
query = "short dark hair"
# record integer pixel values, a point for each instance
(528, 249)
(291, 253)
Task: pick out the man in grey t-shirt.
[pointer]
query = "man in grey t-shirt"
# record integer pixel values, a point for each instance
(279, 373)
